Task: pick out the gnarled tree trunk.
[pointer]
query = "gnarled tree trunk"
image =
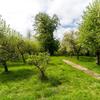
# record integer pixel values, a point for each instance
(42, 73)
(43, 76)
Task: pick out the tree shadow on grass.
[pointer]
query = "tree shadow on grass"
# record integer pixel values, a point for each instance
(52, 64)
(55, 64)
(14, 76)
(54, 81)
(16, 64)
(87, 59)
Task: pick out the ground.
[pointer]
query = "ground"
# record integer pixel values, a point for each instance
(88, 62)
(83, 69)
(65, 83)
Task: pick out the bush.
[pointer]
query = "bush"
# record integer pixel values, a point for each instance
(40, 60)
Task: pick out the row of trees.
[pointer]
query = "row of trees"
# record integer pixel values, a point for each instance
(13, 46)
(71, 44)
(87, 39)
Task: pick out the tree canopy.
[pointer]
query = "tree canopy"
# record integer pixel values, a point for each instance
(45, 25)
(90, 27)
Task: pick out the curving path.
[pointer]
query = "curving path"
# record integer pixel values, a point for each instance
(85, 70)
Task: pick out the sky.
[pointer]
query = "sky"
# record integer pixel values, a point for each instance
(20, 13)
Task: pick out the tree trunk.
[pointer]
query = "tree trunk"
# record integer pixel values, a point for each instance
(78, 52)
(23, 58)
(21, 54)
(29, 53)
(88, 53)
(5, 66)
(42, 73)
(77, 56)
(71, 54)
(98, 57)
(43, 76)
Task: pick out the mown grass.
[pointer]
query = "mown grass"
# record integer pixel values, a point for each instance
(88, 62)
(65, 83)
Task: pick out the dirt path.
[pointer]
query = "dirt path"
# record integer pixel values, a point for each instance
(85, 70)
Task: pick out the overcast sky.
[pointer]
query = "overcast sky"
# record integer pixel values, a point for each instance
(18, 13)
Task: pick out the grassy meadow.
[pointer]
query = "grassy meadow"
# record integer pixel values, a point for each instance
(64, 82)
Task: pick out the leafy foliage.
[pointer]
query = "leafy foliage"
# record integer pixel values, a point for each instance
(40, 61)
(71, 44)
(7, 50)
(90, 27)
(13, 46)
(44, 27)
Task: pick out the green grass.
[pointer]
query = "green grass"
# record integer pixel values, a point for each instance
(88, 62)
(65, 83)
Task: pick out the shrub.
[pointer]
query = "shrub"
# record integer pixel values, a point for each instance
(40, 60)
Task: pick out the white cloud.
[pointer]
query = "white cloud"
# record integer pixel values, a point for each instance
(18, 13)
(68, 10)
